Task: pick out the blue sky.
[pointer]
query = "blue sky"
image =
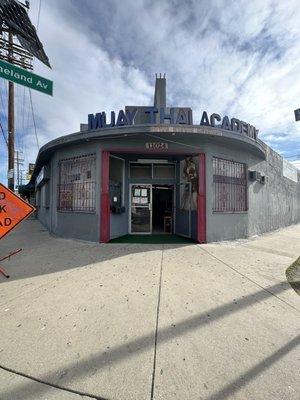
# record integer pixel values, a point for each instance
(238, 58)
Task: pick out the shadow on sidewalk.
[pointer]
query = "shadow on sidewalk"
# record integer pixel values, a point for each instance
(102, 360)
(44, 254)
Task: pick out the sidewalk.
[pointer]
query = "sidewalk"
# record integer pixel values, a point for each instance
(145, 321)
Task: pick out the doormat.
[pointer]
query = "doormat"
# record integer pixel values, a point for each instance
(152, 239)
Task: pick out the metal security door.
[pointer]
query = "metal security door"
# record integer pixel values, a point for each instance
(140, 209)
(183, 209)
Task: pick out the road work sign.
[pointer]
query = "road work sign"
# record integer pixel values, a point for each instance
(21, 76)
(12, 210)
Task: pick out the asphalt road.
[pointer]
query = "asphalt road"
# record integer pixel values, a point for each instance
(133, 321)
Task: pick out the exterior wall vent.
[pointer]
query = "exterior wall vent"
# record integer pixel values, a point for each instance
(255, 176)
(252, 176)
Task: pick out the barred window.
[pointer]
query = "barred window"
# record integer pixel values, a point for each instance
(77, 184)
(230, 185)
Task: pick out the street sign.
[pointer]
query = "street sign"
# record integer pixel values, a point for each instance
(21, 76)
(297, 114)
(13, 210)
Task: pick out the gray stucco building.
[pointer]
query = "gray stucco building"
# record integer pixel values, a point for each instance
(153, 169)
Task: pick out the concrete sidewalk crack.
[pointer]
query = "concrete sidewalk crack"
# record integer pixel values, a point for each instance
(246, 277)
(53, 385)
(156, 325)
(63, 275)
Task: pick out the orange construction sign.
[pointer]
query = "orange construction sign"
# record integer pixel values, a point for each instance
(13, 210)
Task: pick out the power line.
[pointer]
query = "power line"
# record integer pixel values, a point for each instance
(1, 125)
(1, 96)
(39, 13)
(2, 130)
(30, 94)
(33, 119)
(295, 155)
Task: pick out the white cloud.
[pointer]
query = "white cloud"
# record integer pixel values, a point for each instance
(222, 56)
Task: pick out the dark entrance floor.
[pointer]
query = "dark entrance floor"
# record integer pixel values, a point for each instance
(152, 239)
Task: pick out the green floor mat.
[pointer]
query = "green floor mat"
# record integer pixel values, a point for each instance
(152, 239)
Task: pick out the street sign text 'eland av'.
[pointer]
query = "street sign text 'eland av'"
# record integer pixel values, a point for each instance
(21, 76)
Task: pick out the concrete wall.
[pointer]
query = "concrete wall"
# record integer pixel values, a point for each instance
(271, 205)
(220, 225)
(275, 204)
(80, 225)
(43, 204)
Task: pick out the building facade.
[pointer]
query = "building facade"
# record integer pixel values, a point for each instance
(147, 170)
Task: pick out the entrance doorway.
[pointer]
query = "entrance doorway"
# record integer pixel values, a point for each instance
(162, 204)
(152, 208)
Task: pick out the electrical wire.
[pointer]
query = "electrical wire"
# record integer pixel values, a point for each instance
(33, 119)
(296, 155)
(30, 94)
(1, 124)
(39, 13)
(3, 134)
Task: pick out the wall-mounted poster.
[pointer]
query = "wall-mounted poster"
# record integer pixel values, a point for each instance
(137, 192)
(189, 184)
(144, 192)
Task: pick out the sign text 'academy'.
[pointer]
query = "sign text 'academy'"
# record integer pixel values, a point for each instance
(171, 116)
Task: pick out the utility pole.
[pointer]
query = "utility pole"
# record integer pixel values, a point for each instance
(11, 121)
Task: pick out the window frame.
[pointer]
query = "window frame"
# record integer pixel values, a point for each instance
(152, 177)
(229, 185)
(92, 186)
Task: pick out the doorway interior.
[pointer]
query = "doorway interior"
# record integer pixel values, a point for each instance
(162, 205)
(152, 209)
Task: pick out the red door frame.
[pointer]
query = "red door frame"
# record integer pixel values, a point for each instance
(105, 201)
(201, 200)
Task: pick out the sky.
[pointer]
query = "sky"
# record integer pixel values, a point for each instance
(235, 58)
